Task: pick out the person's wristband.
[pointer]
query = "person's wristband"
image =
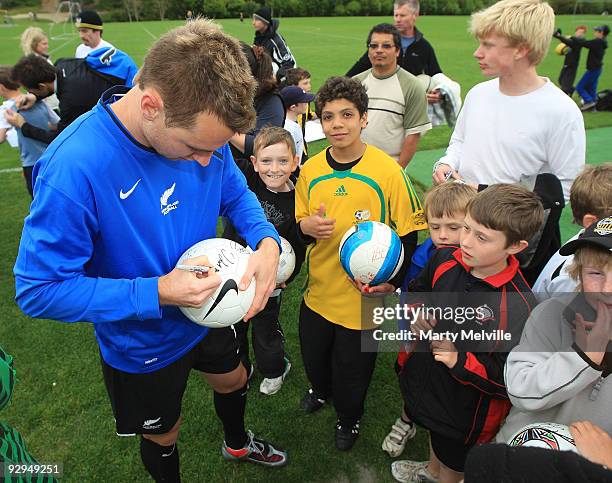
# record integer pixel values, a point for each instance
(437, 164)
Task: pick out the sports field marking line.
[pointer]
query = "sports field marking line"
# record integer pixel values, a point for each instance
(10, 170)
(61, 46)
(154, 37)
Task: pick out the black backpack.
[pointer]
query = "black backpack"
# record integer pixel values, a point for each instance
(79, 87)
(604, 100)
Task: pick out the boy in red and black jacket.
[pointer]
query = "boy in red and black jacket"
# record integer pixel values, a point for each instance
(474, 303)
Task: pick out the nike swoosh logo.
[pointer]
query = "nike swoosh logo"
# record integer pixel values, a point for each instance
(123, 195)
(229, 284)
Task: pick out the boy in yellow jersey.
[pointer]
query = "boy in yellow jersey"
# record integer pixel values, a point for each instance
(346, 183)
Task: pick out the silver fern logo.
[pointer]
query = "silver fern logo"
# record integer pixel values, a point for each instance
(165, 206)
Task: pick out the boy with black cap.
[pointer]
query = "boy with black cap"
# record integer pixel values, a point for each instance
(296, 102)
(587, 86)
(267, 36)
(559, 370)
(89, 25)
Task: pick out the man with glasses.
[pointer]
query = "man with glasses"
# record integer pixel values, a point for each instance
(417, 55)
(397, 106)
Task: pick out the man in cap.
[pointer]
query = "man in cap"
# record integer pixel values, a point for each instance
(90, 29)
(267, 36)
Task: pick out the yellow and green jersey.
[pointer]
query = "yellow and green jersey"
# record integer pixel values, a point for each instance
(375, 189)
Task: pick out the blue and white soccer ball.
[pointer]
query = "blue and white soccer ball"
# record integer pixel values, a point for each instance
(286, 262)
(544, 435)
(228, 304)
(371, 252)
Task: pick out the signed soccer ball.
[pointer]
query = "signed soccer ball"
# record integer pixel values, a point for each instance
(286, 263)
(371, 252)
(545, 435)
(228, 304)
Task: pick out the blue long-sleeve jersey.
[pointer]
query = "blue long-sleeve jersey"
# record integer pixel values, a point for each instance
(109, 217)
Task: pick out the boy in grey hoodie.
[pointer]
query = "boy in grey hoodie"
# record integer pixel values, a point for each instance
(560, 370)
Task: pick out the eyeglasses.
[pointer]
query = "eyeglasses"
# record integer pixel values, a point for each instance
(383, 46)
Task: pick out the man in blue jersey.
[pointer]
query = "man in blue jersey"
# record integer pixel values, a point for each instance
(120, 195)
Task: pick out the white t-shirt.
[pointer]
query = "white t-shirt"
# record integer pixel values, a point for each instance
(545, 286)
(83, 50)
(512, 139)
(11, 133)
(296, 133)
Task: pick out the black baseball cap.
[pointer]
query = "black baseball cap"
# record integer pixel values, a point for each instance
(603, 28)
(294, 95)
(599, 233)
(88, 19)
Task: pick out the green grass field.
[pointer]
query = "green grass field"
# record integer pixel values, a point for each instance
(60, 404)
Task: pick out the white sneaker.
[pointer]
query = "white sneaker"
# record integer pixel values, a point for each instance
(406, 471)
(271, 386)
(396, 440)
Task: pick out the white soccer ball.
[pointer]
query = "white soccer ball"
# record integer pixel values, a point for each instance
(371, 252)
(286, 263)
(228, 304)
(544, 435)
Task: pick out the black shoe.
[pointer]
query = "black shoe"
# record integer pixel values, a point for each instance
(311, 403)
(346, 435)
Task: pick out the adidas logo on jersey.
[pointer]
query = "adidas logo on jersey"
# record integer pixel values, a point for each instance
(341, 191)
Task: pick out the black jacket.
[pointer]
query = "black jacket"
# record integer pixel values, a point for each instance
(468, 402)
(572, 58)
(418, 58)
(275, 45)
(279, 209)
(502, 463)
(597, 48)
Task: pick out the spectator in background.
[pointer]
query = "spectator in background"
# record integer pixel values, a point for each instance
(397, 106)
(268, 102)
(301, 78)
(267, 36)
(296, 102)
(39, 115)
(79, 83)
(34, 41)
(570, 49)
(417, 55)
(587, 86)
(90, 28)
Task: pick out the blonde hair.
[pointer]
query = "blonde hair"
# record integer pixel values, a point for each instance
(591, 192)
(269, 136)
(197, 68)
(30, 38)
(448, 199)
(589, 256)
(511, 209)
(528, 22)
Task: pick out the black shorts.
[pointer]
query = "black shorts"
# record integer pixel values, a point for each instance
(450, 452)
(150, 403)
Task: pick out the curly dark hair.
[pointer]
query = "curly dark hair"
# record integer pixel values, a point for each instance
(32, 70)
(385, 28)
(342, 88)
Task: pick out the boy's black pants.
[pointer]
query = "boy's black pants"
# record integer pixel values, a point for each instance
(268, 340)
(335, 364)
(567, 78)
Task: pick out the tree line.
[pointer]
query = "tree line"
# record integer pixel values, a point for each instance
(135, 10)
